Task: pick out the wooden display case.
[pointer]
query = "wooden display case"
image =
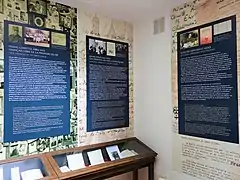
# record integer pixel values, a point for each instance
(27, 163)
(133, 155)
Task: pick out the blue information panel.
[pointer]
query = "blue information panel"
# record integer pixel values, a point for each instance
(107, 84)
(207, 81)
(36, 82)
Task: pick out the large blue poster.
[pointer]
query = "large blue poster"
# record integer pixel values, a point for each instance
(107, 84)
(207, 81)
(36, 83)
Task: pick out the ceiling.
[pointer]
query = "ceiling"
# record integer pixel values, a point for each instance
(130, 10)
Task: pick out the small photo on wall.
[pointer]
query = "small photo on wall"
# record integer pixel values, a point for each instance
(1, 65)
(63, 9)
(23, 17)
(1, 27)
(17, 6)
(1, 6)
(37, 37)
(121, 50)
(22, 148)
(15, 33)
(37, 20)
(59, 39)
(53, 142)
(65, 13)
(43, 145)
(13, 151)
(52, 10)
(9, 3)
(37, 6)
(32, 147)
(65, 21)
(189, 39)
(50, 24)
(206, 35)
(111, 49)
(21, 5)
(97, 47)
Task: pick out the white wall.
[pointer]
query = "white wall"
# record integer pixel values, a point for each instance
(152, 91)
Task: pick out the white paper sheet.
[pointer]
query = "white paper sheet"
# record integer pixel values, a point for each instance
(33, 174)
(15, 175)
(95, 157)
(127, 153)
(113, 152)
(64, 169)
(75, 161)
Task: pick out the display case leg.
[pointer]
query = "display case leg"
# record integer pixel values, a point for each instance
(151, 171)
(135, 175)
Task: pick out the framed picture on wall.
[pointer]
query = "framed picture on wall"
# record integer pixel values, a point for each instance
(37, 6)
(1, 6)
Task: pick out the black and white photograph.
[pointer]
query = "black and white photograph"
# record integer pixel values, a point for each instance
(1, 27)
(37, 37)
(12, 15)
(50, 24)
(32, 146)
(17, 6)
(43, 145)
(22, 148)
(115, 155)
(1, 104)
(113, 152)
(1, 65)
(15, 33)
(23, 17)
(65, 16)
(16, 17)
(121, 50)
(37, 20)
(60, 139)
(13, 151)
(2, 152)
(21, 5)
(65, 21)
(52, 13)
(1, 6)
(73, 31)
(53, 142)
(63, 9)
(73, 55)
(97, 47)
(37, 6)
(189, 39)
(9, 4)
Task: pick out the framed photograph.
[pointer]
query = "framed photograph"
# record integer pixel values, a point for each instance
(15, 34)
(37, 37)
(37, 20)
(13, 151)
(32, 147)
(52, 13)
(23, 17)
(1, 6)
(9, 3)
(37, 6)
